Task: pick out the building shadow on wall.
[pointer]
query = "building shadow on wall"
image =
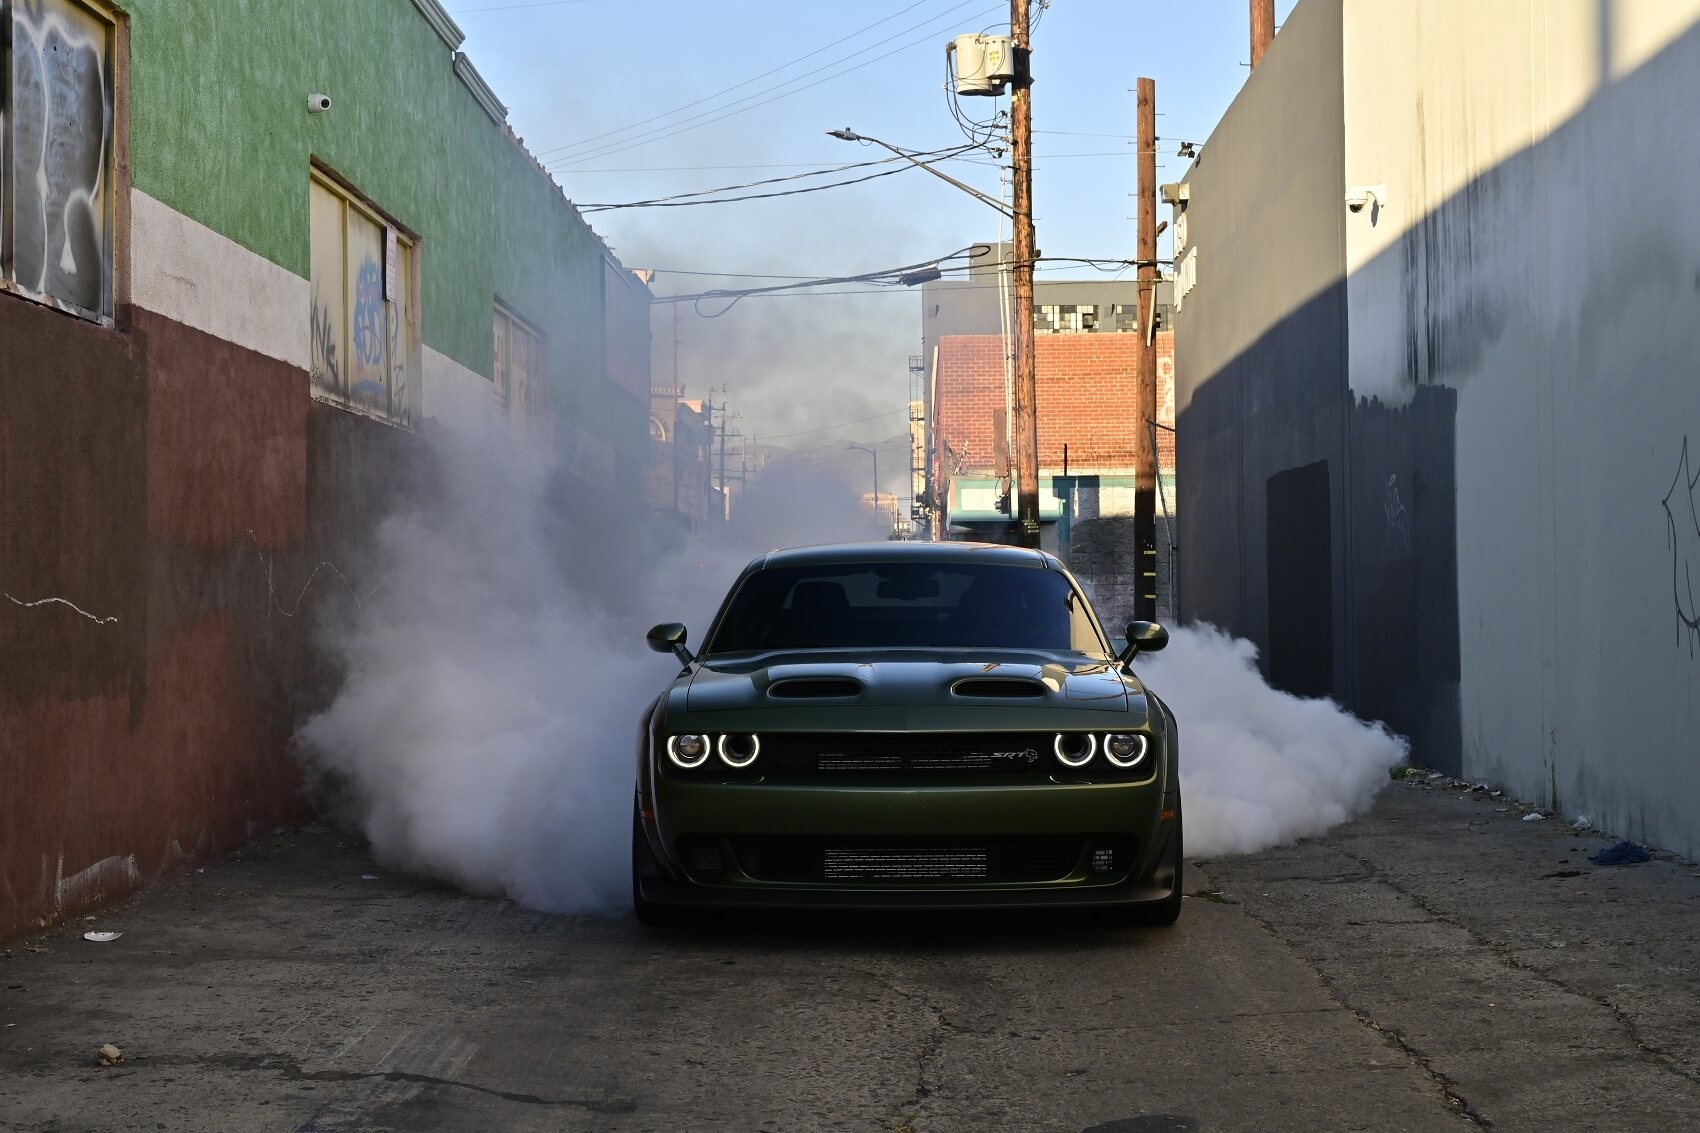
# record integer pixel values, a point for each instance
(1323, 526)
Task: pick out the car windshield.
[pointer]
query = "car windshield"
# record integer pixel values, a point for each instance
(863, 605)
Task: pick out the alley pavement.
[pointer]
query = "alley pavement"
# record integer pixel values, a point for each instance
(1437, 965)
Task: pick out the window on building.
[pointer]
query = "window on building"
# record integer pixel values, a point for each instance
(365, 338)
(56, 101)
(521, 384)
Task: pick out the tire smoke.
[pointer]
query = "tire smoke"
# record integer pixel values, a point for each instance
(483, 730)
(1261, 767)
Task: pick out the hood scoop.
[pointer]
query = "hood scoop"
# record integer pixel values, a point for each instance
(814, 688)
(999, 688)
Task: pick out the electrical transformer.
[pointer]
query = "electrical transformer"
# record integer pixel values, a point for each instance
(985, 64)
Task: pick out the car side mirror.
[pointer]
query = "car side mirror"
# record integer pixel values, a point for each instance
(669, 637)
(1143, 637)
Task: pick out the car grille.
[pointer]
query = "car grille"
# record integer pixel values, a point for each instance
(947, 753)
(899, 861)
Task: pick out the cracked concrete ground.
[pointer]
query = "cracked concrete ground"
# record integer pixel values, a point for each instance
(1430, 967)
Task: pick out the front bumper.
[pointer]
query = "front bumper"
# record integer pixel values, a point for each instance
(682, 817)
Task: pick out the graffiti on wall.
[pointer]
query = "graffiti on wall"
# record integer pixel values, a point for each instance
(326, 374)
(1398, 519)
(60, 108)
(400, 405)
(1682, 529)
(369, 335)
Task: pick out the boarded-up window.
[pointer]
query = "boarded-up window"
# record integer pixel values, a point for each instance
(365, 333)
(56, 102)
(522, 387)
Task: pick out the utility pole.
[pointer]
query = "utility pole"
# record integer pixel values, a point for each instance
(1262, 29)
(1145, 383)
(725, 497)
(1025, 401)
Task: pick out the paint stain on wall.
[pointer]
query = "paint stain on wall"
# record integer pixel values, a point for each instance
(1682, 525)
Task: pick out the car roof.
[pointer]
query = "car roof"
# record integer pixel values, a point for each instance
(904, 551)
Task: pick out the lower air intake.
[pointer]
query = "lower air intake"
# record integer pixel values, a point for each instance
(898, 862)
(905, 865)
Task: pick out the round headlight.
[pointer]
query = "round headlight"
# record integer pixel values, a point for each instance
(688, 751)
(739, 751)
(1075, 749)
(1126, 749)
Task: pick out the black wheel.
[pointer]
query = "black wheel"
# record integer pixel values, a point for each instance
(1168, 910)
(644, 865)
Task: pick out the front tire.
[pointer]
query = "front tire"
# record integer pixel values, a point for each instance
(648, 913)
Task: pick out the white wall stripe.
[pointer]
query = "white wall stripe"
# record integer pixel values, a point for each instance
(185, 271)
(455, 395)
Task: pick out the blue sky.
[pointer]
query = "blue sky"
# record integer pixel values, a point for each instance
(633, 99)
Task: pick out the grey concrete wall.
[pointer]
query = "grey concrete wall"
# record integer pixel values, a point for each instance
(1496, 364)
(1260, 339)
(1300, 500)
(1539, 264)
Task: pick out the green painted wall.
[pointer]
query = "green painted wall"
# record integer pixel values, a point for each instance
(219, 130)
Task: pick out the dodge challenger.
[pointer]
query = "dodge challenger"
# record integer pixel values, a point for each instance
(907, 725)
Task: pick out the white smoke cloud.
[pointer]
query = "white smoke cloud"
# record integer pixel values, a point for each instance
(485, 728)
(484, 731)
(1260, 767)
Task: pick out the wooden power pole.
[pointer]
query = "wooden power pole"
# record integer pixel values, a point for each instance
(1026, 393)
(1262, 29)
(1145, 383)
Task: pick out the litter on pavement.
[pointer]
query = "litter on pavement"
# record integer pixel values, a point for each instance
(1535, 816)
(102, 937)
(110, 1055)
(1622, 853)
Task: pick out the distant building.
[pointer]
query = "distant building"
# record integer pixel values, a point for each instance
(1087, 428)
(681, 487)
(1088, 335)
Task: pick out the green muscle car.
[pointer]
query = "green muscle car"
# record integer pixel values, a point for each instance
(907, 725)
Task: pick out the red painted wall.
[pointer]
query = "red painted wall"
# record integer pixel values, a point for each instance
(180, 491)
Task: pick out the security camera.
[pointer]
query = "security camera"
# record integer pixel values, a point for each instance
(1359, 196)
(318, 103)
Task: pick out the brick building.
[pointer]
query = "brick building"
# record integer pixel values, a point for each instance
(1087, 430)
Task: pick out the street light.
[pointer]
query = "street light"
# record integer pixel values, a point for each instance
(1025, 392)
(849, 135)
(876, 456)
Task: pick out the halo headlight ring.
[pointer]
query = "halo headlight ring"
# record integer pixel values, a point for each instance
(731, 757)
(1080, 757)
(1126, 750)
(680, 748)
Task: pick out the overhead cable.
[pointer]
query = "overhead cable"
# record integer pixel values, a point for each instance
(680, 199)
(898, 276)
(721, 113)
(736, 86)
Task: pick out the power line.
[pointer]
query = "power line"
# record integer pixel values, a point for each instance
(1045, 263)
(829, 428)
(679, 200)
(511, 7)
(735, 86)
(709, 117)
(725, 110)
(669, 203)
(890, 276)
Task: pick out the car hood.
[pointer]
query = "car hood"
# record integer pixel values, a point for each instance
(912, 677)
